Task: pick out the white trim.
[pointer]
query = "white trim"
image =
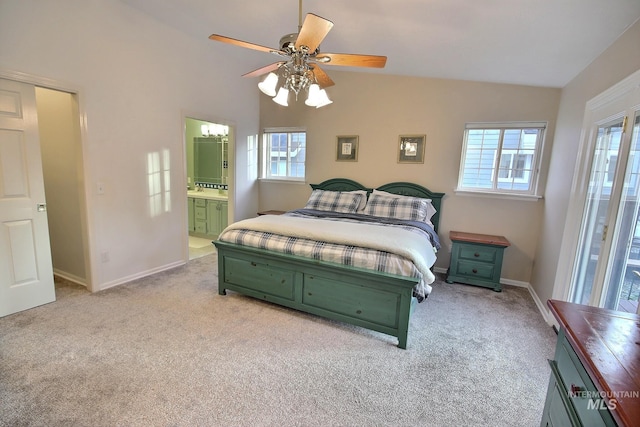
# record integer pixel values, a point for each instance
(506, 125)
(141, 274)
(497, 195)
(70, 277)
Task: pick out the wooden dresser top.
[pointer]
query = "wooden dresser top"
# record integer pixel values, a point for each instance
(607, 343)
(486, 239)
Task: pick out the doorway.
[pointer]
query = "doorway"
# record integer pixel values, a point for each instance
(208, 179)
(41, 196)
(606, 268)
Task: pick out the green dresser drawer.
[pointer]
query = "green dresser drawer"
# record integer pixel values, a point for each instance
(260, 277)
(201, 202)
(583, 394)
(478, 253)
(476, 270)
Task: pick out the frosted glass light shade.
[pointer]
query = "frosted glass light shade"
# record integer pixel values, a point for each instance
(268, 85)
(281, 98)
(314, 96)
(323, 99)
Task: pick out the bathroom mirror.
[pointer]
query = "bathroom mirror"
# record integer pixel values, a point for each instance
(210, 159)
(207, 154)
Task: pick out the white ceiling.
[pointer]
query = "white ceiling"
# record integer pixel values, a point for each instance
(531, 42)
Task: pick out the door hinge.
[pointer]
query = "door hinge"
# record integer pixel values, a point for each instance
(604, 232)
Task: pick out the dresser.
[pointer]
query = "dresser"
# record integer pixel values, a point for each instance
(595, 373)
(476, 259)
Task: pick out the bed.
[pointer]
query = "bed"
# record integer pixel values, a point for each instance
(256, 257)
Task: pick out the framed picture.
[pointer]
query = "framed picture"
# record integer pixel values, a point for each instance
(347, 148)
(411, 148)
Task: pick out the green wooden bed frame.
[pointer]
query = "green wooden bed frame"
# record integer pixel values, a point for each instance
(370, 299)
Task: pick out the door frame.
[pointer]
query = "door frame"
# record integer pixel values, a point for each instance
(184, 115)
(85, 213)
(603, 104)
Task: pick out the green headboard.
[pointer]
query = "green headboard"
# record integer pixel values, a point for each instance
(401, 188)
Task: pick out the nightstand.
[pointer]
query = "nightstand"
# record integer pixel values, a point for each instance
(476, 259)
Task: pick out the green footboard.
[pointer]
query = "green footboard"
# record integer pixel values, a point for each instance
(373, 300)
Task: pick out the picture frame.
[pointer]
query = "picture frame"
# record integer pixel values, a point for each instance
(347, 148)
(411, 148)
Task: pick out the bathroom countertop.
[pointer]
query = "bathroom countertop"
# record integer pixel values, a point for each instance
(208, 194)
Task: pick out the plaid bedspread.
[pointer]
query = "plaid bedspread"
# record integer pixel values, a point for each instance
(371, 259)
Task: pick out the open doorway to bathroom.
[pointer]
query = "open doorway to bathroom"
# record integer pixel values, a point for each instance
(207, 148)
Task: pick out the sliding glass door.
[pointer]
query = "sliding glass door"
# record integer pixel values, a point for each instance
(607, 265)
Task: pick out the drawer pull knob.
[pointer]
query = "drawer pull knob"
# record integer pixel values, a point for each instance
(475, 270)
(476, 255)
(253, 264)
(577, 390)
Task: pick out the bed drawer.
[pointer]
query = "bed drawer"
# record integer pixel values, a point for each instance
(260, 277)
(371, 305)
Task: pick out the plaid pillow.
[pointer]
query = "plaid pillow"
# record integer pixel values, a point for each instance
(334, 201)
(406, 208)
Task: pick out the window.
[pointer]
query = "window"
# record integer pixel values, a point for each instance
(283, 154)
(501, 158)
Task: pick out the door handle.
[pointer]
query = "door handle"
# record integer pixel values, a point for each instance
(41, 207)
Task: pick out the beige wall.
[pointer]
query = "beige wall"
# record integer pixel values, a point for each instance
(619, 61)
(379, 108)
(137, 78)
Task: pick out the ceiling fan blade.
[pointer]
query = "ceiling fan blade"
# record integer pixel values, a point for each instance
(314, 29)
(264, 70)
(240, 43)
(322, 78)
(352, 60)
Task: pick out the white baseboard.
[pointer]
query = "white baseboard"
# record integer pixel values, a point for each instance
(70, 277)
(140, 275)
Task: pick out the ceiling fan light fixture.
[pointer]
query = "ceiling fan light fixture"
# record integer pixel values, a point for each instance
(268, 85)
(281, 98)
(323, 99)
(314, 96)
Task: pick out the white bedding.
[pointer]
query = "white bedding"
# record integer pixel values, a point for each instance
(379, 237)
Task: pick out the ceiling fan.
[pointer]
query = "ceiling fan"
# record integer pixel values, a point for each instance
(300, 67)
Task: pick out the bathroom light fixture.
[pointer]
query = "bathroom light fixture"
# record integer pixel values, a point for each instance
(213, 129)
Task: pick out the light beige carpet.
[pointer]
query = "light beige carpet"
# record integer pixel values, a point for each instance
(167, 350)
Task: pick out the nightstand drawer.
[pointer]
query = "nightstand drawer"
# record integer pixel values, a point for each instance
(475, 270)
(478, 253)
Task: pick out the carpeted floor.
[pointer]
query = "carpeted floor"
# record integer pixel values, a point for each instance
(167, 350)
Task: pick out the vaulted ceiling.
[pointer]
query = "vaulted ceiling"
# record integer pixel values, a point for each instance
(531, 42)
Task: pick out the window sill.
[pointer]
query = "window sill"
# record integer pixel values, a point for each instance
(525, 197)
(282, 180)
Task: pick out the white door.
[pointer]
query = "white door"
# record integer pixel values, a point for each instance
(26, 271)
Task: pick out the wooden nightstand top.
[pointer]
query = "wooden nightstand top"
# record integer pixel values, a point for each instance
(271, 212)
(485, 239)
